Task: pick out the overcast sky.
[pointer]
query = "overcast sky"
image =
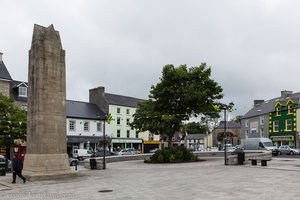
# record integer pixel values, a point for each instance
(252, 46)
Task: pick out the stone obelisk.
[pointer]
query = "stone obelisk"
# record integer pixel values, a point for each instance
(46, 156)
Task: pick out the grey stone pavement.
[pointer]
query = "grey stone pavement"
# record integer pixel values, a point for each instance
(208, 179)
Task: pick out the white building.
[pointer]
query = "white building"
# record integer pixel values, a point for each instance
(121, 109)
(85, 123)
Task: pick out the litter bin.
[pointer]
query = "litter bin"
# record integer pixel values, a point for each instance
(93, 162)
(240, 155)
(2, 168)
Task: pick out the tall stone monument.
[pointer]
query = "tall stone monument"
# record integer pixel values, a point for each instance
(46, 156)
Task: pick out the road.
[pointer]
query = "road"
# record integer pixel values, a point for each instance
(288, 156)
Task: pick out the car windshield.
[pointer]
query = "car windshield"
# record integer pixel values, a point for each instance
(268, 144)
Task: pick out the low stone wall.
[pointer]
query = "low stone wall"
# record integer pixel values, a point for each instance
(111, 159)
(260, 155)
(232, 159)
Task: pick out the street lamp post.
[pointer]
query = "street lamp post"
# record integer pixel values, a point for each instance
(225, 108)
(103, 161)
(225, 140)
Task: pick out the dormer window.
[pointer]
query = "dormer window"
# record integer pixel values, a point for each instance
(22, 91)
(290, 109)
(278, 113)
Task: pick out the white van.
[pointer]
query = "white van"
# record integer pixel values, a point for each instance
(81, 154)
(259, 144)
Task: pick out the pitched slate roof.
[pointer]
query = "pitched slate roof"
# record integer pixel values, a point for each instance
(4, 74)
(83, 110)
(269, 105)
(229, 125)
(122, 100)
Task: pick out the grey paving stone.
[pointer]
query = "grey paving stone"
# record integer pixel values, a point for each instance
(133, 180)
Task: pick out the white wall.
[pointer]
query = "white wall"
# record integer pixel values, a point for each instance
(79, 128)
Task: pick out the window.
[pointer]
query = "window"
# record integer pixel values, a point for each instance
(262, 130)
(86, 126)
(278, 111)
(127, 121)
(275, 126)
(246, 133)
(262, 120)
(72, 125)
(290, 109)
(246, 123)
(150, 136)
(288, 125)
(118, 110)
(118, 133)
(99, 126)
(127, 111)
(128, 133)
(118, 120)
(136, 134)
(23, 91)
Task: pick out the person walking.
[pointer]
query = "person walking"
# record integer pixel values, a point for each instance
(17, 169)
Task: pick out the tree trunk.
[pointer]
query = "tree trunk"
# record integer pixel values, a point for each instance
(169, 141)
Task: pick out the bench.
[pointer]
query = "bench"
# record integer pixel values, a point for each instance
(263, 161)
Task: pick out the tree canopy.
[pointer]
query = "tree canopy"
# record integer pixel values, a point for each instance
(181, 93)
(12, 122)
(195, 128)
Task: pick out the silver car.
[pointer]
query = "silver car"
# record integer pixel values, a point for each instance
(9, 163)
(286, 149)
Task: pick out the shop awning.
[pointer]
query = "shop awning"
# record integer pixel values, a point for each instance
(82, 139)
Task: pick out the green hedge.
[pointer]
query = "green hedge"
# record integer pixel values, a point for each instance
(172, 155)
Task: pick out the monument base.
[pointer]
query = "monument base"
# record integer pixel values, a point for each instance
(47, 167)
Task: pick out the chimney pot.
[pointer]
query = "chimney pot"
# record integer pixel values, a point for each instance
(286, 93)
(258, 102)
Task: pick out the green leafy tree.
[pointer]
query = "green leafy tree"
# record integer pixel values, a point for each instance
(195, 128)
(12, 122)
(238, 119)
(181, 93)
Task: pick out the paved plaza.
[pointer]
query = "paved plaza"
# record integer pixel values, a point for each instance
(209, 179)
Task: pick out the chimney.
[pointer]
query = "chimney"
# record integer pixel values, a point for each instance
(286, 93)
(258, 102)
(97, 96)
(1, 54)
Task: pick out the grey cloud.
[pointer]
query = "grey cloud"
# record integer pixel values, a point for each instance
(252, 45)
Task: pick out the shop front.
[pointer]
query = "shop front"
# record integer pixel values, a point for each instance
(284, 140)
(123, 143)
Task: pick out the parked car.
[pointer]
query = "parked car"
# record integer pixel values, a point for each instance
(73, 161)
(214, 149)
(128, 151)
(99, 153)
(286, 149)
(9, 163)
(81, 154)
(231, 149)
(154, 150)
